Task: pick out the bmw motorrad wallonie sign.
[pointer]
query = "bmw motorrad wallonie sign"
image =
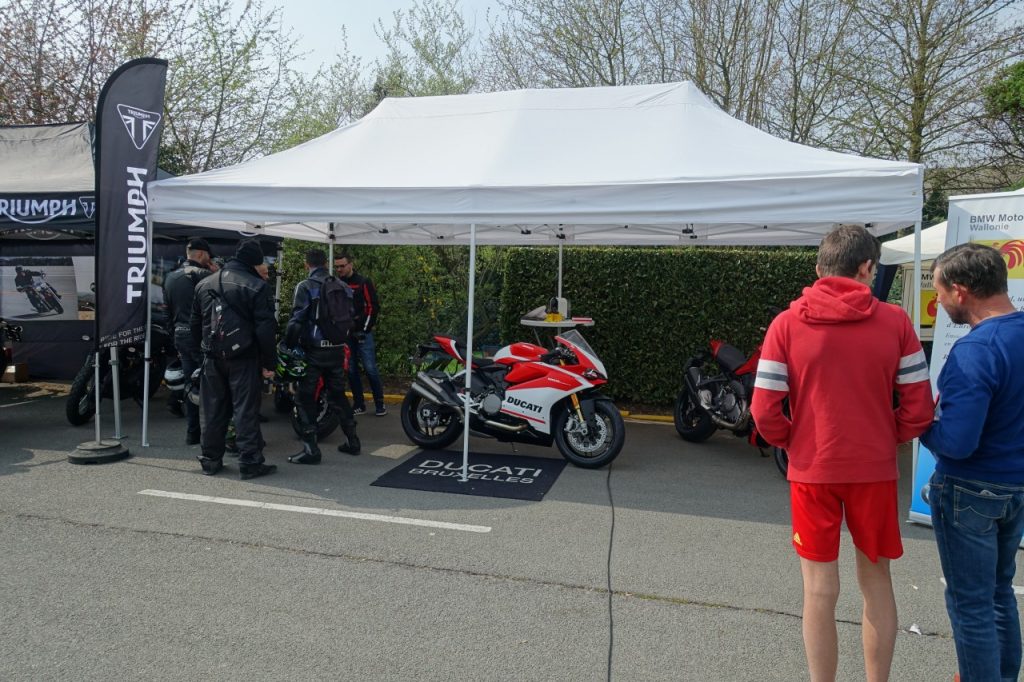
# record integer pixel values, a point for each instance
(510, 476)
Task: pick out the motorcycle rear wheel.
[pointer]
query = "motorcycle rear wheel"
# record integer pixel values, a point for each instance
(428, 425)
(606, 434)
(327, 420)
(81, 402)
(692, 422)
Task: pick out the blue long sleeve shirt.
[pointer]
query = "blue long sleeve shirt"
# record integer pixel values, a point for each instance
(979, 433)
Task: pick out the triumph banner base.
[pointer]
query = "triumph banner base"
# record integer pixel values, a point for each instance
(102, 452)
(509, 476)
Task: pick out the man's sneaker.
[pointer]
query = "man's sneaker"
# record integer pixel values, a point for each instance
(381, 411)
(358, 410)
(210, 466)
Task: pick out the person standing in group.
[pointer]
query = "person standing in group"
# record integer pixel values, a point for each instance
(977, 490)
(361, 344)
(322, 320)
(833, 361)
(179, 292)
(233, 323)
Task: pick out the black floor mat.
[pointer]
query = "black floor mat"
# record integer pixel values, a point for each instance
(511, 476)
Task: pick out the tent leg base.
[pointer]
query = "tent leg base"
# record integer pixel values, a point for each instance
(102, 452)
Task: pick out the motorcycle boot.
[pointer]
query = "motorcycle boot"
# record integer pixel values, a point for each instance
(210, 465)
(351, 446)
(247, 471)
(310, 453)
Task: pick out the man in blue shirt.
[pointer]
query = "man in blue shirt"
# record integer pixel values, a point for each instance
(977, 491)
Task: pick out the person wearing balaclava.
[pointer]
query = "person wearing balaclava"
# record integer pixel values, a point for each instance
(233, 322)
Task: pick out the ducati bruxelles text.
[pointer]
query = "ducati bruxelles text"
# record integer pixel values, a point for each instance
(483, 472)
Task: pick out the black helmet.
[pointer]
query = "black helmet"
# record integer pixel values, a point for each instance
(17, 268)
(291, 362)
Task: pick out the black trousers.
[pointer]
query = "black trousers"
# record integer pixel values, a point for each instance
(191, 360)
(329, 364)
(232, 387)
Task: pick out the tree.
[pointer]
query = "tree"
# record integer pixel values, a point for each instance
(226, 91)
(922, 77)
(1004, 120)
(56, 55)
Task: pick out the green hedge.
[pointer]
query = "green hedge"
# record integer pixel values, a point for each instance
(652, 307)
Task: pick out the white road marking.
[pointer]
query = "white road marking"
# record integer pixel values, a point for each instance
(24, 402)
(316, 510)
(1017, 589)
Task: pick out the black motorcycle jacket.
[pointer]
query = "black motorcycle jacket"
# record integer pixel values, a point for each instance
(364, 297)
(179, 290)
(249, 295)
(24, 278)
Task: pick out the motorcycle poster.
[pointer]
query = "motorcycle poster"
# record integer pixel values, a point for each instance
(996, 220)
(38, 289)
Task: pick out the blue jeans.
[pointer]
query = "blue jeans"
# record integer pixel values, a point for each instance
(364, 353)
(978, 528)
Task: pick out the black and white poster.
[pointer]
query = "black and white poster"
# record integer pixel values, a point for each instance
(38, 289)
(128, 124)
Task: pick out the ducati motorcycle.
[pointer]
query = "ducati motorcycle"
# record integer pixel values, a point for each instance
(81, 402)
(717, 388)
(524, 393)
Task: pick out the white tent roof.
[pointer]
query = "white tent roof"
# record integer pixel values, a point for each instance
(646, 164)
(900, 251)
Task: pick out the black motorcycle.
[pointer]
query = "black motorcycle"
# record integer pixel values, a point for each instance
(291, 367)
(8, 332)
(81, 402)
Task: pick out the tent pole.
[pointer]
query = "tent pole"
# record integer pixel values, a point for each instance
(277, 284)
(917, 278)
(469, 353)
(330, 249)
(149, 323)
(559, 269)
(99, 394)
(115, 375)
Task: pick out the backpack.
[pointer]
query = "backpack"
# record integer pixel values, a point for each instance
(332, 311)
(230, 332)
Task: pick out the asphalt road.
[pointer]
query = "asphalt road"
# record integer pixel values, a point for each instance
(101, 582)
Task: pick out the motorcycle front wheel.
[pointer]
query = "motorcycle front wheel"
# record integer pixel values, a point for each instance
(692, 421)
(427, 424)
(600, 444)
(81, 402)
(781, 458)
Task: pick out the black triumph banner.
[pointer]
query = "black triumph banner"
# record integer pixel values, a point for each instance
(128, 118)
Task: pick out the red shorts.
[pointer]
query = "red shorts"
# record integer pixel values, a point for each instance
(871, 515)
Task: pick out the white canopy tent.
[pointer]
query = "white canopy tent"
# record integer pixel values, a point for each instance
(642, 165)
(901, 251)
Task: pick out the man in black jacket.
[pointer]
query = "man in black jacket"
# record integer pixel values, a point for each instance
(233, 322)
(179, 292)
(361, 343)
(322, 359)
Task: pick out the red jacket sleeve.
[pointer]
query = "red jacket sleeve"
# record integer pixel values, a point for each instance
(771, 388)
(916, 407)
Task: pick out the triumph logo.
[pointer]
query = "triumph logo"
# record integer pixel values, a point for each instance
(139, 123)
(88, 206)
(512, 400)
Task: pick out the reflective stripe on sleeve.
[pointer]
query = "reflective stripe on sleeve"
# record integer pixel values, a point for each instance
(772, 375)
(913, 369)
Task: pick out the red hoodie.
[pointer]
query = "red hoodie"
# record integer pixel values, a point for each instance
(837, 354)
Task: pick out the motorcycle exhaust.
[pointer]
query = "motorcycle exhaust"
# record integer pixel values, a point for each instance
(505, 427)
(437, 396)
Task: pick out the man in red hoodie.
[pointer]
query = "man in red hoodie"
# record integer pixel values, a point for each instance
(835, 357)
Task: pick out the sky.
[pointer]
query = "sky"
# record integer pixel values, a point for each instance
(319, 23)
